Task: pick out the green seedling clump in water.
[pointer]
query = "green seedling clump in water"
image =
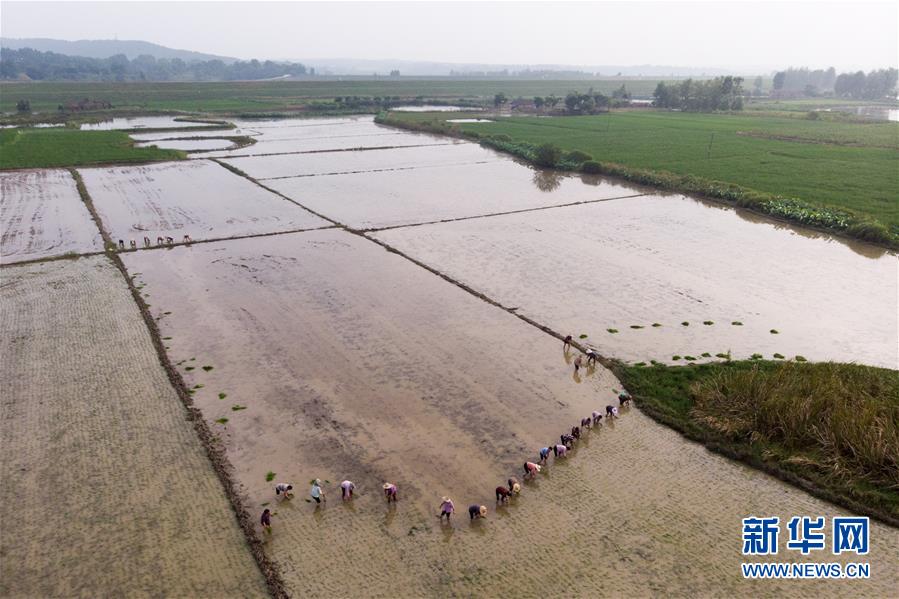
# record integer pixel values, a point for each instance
(775, 332)
(270, 476)
(800, 359)
(199, 386)
(708, 323)
(222, 420)
(613, 331)
(756, 357)
(207, 368)
(223, 395)
(706, 354)
(690, 358)
(636, 326)
(582, 336)
(657, 324)
(737, 323)
(685, 323)
(238, 407)
(778, 356)
(640, 364)
(189, 368)
(654, 362)
(675, 358)
(166, 338)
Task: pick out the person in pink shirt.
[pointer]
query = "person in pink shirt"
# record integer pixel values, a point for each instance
(446, 508)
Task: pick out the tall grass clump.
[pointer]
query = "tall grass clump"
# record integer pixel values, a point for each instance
(839, 420)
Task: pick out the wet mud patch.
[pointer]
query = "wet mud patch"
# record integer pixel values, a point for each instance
(42, 215)
(671, 260)
(199, 198)
(385, 199)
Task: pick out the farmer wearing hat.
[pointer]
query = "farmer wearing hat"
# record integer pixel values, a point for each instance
(446, 508)
(389, 491)
(317, 493)
(477, 511)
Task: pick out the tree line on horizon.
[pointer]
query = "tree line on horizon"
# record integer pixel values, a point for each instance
(27, 63)
(720, 93)
(875, 85)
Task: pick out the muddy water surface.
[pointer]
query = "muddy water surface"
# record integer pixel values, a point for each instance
(189, 145)
(142, 122)
(669, 260)
(353, 362)
(197, 198)
(384, 199)
(42, 215)
(328, 163)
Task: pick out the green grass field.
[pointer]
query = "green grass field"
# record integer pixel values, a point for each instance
(34, 148)
(237, 96)
(831, 428)
(847, 165)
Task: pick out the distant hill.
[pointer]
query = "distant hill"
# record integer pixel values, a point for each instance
(106, 48)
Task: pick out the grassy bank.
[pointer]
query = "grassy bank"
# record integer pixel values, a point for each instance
(836, 176)
(832, 429)
(37, 148)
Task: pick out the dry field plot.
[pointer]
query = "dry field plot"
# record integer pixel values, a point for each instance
(327, 163)
(668, 260)
(384, 199)
(42, 215)
(199, 198)
(104, 487)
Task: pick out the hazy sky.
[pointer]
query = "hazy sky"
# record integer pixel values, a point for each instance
(847, 35)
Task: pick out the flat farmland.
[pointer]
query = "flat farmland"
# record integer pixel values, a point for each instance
(104, 486)
(328, 163)
(328, 144)
(198, 198)
(353, 362)
(665, 261)
(385, 199)
(320, 355)
(42, 215)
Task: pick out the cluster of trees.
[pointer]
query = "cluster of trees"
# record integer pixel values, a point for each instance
(720, 93)
(367, 101)
(574, 102)
(875, 85)
(31, 64)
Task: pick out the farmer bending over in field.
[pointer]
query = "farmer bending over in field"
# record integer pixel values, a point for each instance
(266, 520)
(531, 469)
(389, 491)
(317, 493)
(578, 362)
(544, 455)
(566, 345)
(477, 511)
(346, 489)
(446, 508)
(284, 489)
(514, 485)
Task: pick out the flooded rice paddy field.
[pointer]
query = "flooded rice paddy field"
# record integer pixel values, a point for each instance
(142, 122)
(385, 199)
(190, 145)
(328, 163)
(42, 215)
(669, 260)
(351, 361)
(321, 354)
(105, 489)
(264, 146)
(197, 198)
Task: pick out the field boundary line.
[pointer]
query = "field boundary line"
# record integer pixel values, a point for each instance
(379, 170)
(446, 143)
(492, 214)
(214, 451)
